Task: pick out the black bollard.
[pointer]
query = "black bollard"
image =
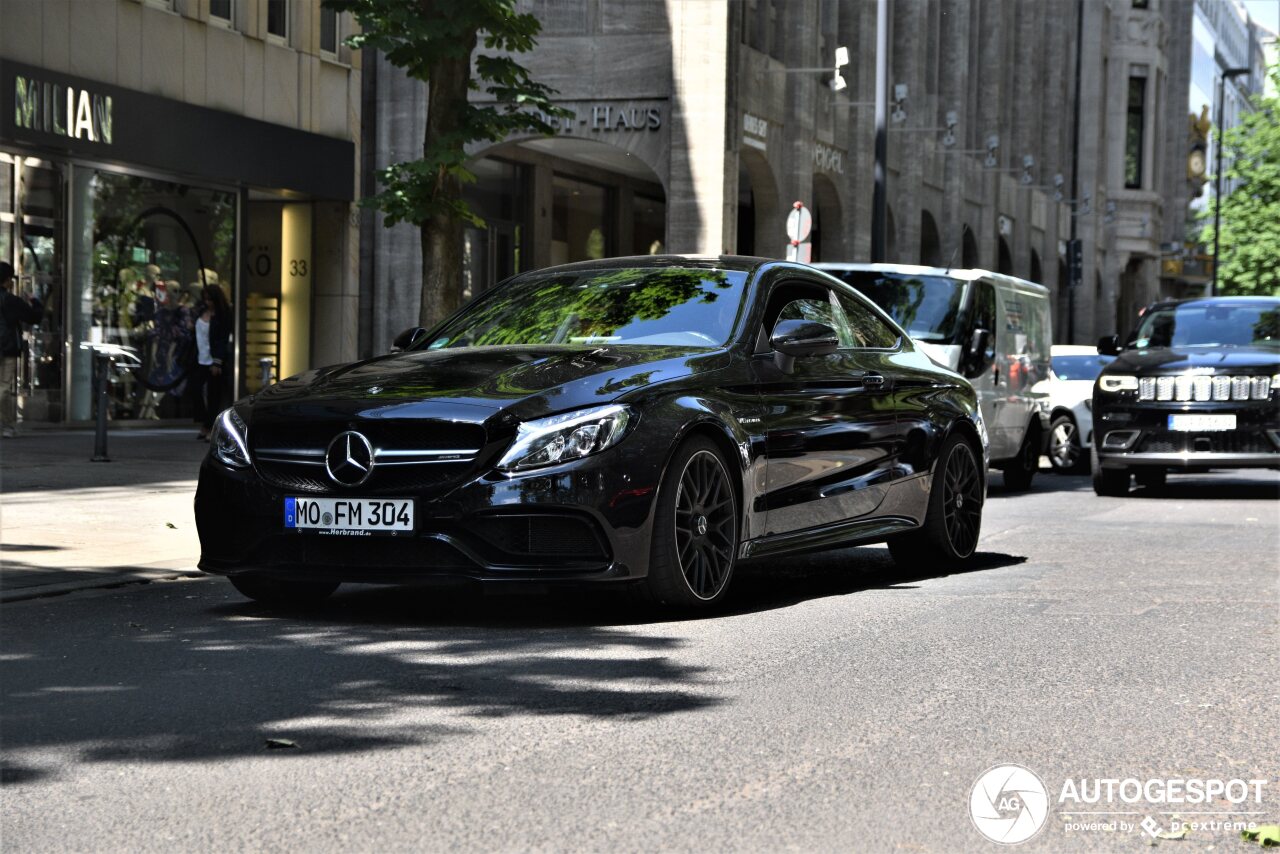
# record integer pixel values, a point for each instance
(103, 362)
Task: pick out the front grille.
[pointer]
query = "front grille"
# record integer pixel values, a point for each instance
(1189, 387)
(411, 456)
(1225, 442)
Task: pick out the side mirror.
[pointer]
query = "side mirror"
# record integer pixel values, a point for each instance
(408, 338)
(1109, 345)
(793, 339)
(978, 355)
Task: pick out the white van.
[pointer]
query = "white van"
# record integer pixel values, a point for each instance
(993, 329)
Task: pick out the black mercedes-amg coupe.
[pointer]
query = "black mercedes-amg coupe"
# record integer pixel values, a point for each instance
(635, 420)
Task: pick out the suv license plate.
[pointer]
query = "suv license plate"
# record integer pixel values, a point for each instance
(1196, 423)
(351, 517)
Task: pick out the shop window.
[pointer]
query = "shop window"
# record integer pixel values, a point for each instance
(143, 264)
(649, 226)
(579, 221)
(328, 31)
(1135, 132)
(34, 238)
(222, 11)
(278, 19)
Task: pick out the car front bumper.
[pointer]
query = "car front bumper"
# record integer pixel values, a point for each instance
(1139, 435)
(590, 520)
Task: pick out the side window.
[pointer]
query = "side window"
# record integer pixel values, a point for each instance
(984, 309)
(859, 327)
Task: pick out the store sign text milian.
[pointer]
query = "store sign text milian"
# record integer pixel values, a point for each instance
(61, 110)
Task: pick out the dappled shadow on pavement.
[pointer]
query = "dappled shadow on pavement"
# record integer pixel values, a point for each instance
(189, 671)
(135, 681)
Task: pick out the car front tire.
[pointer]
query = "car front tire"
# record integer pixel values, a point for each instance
(1022, 469)
(695, 532)
(953, 519)
(277, 593)
(1110, 482)
(1065, 452)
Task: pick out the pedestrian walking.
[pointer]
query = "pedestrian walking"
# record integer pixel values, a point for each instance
(208, 383)
(14, 311)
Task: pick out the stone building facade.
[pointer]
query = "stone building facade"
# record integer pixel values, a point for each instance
(719, 115)
(149, 148)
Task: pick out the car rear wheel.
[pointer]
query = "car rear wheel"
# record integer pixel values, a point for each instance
(1065, 453)
(273, 591)
(695, 535)
(953, 519)
(1112, 482)
(1020, 470)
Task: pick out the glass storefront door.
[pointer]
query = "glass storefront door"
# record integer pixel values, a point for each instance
(31, 239)
(143, 252)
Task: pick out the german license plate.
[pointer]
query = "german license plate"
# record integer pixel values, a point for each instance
(351, 517)
(1198, 423)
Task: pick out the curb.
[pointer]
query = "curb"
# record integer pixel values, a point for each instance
(41, 591)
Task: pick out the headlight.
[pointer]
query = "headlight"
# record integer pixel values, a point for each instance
(1275, 384)
(1118, 382)
(564, 437)
(227, 440)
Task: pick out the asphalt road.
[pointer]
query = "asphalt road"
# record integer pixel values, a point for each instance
(837, 703)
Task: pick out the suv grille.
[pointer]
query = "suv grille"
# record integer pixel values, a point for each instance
(1198, 387)
(1238, 442)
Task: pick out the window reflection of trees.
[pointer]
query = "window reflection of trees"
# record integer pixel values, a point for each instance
(600, 307)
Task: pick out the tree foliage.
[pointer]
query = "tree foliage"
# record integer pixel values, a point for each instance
(434, 41)
(1250, 239)
(422, 36)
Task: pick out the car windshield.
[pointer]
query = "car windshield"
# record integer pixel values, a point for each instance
(1211, 324)
(659, 306)
(928, 307)
(1084, 367)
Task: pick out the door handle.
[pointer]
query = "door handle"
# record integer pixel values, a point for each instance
(872, 380)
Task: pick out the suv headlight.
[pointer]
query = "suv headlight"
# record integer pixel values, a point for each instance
(1117, 382)
(227, 440)
(565, 437)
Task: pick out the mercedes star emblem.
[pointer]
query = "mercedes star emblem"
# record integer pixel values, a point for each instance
(349, 459)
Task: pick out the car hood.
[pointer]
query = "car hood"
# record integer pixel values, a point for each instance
(471, 383)
(1172, 360)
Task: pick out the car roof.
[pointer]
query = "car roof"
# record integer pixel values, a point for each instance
(966, 275)
(1072, 350)
(742, 263)
(1222, 300)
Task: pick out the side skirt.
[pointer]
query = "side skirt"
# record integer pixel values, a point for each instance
(827, 536)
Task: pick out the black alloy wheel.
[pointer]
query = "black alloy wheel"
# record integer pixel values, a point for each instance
(695, 544)
(962, 500)
(1065, 451)
(949, 535)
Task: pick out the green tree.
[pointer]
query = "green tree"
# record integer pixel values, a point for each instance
(434, 41)
(1250, 240)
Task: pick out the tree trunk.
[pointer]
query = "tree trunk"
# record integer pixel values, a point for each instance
(442, 234)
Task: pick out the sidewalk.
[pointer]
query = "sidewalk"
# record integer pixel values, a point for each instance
(69, 524)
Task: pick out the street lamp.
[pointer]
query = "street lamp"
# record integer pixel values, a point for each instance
(1217, 177)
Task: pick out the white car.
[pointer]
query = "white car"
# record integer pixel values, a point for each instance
(1068, 398)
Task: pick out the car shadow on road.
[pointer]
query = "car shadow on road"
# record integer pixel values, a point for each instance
(189, 671)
